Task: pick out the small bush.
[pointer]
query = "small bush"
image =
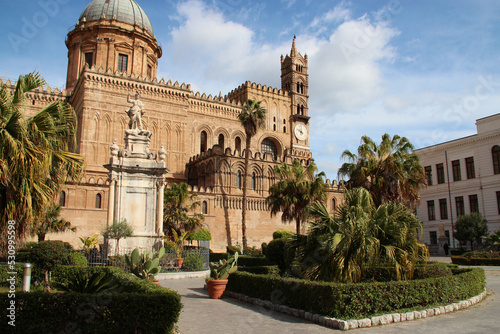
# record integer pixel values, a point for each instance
(233, 249)
(465, 261)
(261, 270)
(201, 234)
(282, 234)
(482, 255)
(193, 262)
(215, 257)
(169, 245)
(263, 247)
(252, 261)
(432, 270)
(77, 259)
(252, 251)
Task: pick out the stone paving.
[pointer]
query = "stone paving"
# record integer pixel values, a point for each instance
(203, 315)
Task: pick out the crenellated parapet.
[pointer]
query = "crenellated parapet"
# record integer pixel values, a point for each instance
(242, 91)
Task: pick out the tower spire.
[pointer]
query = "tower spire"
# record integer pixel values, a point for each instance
(293, 52)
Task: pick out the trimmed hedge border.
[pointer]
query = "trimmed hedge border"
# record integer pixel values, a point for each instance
(473, 261)
(139, 306)
(354, 301)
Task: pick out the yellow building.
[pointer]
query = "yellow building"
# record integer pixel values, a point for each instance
(113, 52)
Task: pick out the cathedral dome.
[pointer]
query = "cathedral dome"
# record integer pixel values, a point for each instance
(127, 11)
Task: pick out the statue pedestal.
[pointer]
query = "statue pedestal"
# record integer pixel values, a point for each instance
(136, 190)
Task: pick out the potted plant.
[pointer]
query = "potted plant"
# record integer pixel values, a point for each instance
(145, 266)
(219, 273)
(179, 246)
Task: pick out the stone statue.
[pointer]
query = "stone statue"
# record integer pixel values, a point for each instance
(135, 112)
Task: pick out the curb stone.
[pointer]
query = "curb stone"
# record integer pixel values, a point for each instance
(362, 323)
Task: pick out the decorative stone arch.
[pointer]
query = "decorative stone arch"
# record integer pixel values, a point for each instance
(167, 139)
(277, 142)
(199, 146)
(256, 173)
(224, 174)
(235, 135)
(108, 129)
(225, 133)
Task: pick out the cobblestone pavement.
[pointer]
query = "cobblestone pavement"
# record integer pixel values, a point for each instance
(202, 315)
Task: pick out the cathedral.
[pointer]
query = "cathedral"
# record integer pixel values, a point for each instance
(113, 54)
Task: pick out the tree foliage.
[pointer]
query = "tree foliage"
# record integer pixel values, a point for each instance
(297, 189)
(390, 171)
(118, 230)
(470, 228)
(362, 236)
(36, 155)
(178, 203)
(48, 254)
(51, 223)
(252, 117)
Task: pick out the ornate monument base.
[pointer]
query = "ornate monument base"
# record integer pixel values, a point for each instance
(136, 190)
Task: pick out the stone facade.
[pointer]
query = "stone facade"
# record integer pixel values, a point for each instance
(464, 177)
(201, 135)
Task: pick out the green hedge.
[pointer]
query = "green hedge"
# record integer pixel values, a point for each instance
(139, 306)
(466, 261)
(253, 261)
(351, 301)
(215, 257)
(261, 270)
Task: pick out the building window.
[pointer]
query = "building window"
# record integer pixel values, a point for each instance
(203, 141)
(89, 59)
(431, 210)
(498, 201)
(334, 204)
(254, 181)
(149, 71)
(204, 207)
(238, 180)
(428, 175)
(443, 208)
(440, 173)
(122, 62)
(221, 141)
(268, 146)
(237, 144)
(473, 203)
(457, 174)
(469, 163)
(459, 201)
(62, 198)
(495, 154)
(98, 200)
(434, 238)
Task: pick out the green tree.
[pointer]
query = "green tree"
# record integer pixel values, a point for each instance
(252, 118)
(48, 254)
(470, 228)
(360, 237)
(118, 230)
(493, 240)
(390, 171)
(51, 223)
(36, 155)
(297, 189)
(178, 202)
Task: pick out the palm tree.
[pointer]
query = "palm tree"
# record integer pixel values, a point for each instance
(390, 171)
(298, 188)
(362, 236)
(252, 117)
(35, 155)
(51, 223)
(178, 201)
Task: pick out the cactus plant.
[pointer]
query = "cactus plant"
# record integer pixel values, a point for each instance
(145, 265)
(222, 269)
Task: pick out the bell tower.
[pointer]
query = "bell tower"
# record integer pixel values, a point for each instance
(295, 80)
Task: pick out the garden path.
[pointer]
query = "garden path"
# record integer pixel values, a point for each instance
(206, 316)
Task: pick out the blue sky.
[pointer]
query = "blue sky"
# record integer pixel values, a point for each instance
(423, 69)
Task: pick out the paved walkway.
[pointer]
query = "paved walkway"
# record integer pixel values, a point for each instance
(206, 316)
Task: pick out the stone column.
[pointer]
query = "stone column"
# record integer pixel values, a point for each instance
(159, 208)
(111, 201)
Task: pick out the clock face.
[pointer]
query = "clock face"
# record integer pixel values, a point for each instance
(300, 132)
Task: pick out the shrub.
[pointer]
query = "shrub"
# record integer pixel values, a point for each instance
(357, 300)
(261, 270)
(252, 261)
(282, 234)
(465, 261)
(432, 270)
(193, 262)
(482, 254)
(155, 309)
(169, 245)
(77, 259)
(281, 252)
(263, 247)
(233, 249)
(252, 251)
(48, 254)
(201, 234)
(215, 257)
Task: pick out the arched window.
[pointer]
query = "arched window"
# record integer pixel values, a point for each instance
(221, 141)
(495, 153)
(98, 200)
(203, 142)
(204, 207)
(62, 198)
(268, 146)
(334, 204)
(237, 144)
(254, 181)
(238, 180)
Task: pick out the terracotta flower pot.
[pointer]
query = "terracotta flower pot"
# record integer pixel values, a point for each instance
(179, 262)
(216, 288)
(156, 282)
